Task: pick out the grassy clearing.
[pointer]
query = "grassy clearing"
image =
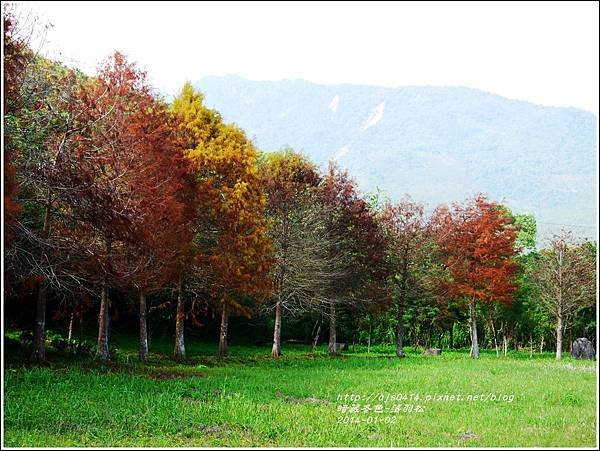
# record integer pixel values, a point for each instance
(253, 400)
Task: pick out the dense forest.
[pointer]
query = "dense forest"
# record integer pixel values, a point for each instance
(123, 211)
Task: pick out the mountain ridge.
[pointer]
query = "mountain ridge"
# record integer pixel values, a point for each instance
(199, 83)
(439, 144)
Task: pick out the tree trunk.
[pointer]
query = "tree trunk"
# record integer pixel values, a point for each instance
(428, 337)
(559, 312)
(316, 338)
(143, 328)
(71, 320)
(530, 346)
(474, 342)
(332, 330)
(276, 351)
(102, 353)
(400, 328)
(401, 296)
(222, 352)
(481, 336)
(452, 336)
(80, 333)
(417, 336)
(542, 345)
(179, 350)
(495, 338)
(38, 353)
(559, 332)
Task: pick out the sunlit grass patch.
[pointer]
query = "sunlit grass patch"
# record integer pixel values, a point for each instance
(297, 400)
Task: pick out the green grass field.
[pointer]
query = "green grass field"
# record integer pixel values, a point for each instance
(301, 399)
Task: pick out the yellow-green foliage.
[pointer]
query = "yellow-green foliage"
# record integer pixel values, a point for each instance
(224, 161)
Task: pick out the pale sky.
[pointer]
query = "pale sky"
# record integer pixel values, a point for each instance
(542, 53)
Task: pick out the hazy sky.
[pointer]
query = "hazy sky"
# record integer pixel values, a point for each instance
(543, 53)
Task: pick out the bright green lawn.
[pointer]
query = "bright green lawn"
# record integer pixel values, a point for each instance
(253, 400)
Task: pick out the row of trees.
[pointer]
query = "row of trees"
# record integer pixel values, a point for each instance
(111, 190)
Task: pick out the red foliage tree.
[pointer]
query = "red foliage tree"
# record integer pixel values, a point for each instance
(161, 222)
(477, 241)
(16, 56)
(407, 232)
(124, 178)
(359, 245)
(37, 121)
